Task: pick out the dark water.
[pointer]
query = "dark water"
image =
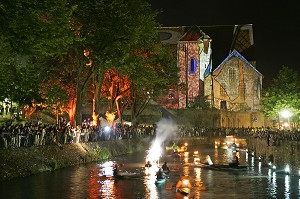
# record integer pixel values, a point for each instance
(94, 181)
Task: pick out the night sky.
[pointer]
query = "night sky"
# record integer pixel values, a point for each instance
(276, 26)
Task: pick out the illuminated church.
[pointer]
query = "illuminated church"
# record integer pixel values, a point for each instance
(217, 62)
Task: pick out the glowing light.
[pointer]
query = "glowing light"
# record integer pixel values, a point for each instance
(110, 117)
(287, 169)
(196, 160)
(154, 153)
(286, 113)
(107, 129)
(185, 182)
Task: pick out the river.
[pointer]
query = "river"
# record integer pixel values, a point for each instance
(93, 181)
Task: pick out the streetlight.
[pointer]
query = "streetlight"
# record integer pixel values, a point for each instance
(287, 114)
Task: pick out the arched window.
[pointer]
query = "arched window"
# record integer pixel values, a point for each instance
(193, 66)
(232, 74)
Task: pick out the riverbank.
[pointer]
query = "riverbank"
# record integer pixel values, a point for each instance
(25, 161)
(281, 154)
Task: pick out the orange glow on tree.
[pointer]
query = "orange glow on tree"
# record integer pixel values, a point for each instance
(71, 109)
(114, 88)
(110, 117)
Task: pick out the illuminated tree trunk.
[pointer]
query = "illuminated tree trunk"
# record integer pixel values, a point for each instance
(71, 110)
(98, 79)
(118, 107)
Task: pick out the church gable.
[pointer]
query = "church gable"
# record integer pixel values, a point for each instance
(237, 84)
(229, 77)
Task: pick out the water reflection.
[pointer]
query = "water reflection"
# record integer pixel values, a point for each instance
(151, 190)
(287, 186)
(272, 183)
(95, 181)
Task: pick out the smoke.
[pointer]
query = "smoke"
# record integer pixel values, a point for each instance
(166, 129)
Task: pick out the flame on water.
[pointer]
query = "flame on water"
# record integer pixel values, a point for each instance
(154, 153)
(110, 117)
(166, 128)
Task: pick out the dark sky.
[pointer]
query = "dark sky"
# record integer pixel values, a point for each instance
(276, 25)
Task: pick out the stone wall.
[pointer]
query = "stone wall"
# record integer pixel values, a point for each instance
(281, 153)
(21, 162)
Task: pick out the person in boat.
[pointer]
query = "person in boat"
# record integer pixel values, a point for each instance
(160, 174)
(116, 170)
(208, 160)
(235, 162)
(176, 153)
(233, 146)
(183, 182)
(165, 168)
(148, 164)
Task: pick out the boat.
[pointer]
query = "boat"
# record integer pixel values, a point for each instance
(224, 167)
(184, 191)
(159, 181)
(125, 175)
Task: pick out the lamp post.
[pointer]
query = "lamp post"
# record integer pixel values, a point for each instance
(287, 114)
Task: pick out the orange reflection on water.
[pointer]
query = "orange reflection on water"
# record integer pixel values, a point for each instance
(101, 186)
(151, 190)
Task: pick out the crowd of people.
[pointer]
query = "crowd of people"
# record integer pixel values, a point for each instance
(36, 133)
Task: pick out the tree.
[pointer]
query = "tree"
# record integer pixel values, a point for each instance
(32, 30)
(113, 32)
(200, 102)
(19, 79)
(283, 94)
(154, 70)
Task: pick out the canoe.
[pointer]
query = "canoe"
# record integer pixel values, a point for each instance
(122, 175)
(223, 167)
(160, 181)
(184, 191)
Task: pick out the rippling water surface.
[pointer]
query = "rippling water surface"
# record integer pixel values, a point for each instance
(94, 181)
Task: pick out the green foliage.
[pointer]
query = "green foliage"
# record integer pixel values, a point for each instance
(200, 102)
(37, 26)
(19, 80)
(283, 94)
(102, 153)
(44, 43)
(53, 164)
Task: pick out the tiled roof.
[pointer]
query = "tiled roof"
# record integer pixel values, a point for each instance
(193, 34)
(225, 39)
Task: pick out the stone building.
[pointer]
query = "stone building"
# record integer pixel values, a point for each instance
(233, 87)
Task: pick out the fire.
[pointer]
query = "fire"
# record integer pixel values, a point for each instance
(110, 117)
(154, 153)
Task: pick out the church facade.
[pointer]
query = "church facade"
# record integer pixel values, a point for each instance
(233, 87)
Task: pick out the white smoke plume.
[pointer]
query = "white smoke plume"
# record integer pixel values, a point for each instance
(166, 129)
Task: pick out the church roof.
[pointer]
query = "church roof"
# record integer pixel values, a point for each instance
(193, 34)
(238, 55)
(225, 39)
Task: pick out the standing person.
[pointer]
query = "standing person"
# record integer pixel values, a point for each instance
(234, 162)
